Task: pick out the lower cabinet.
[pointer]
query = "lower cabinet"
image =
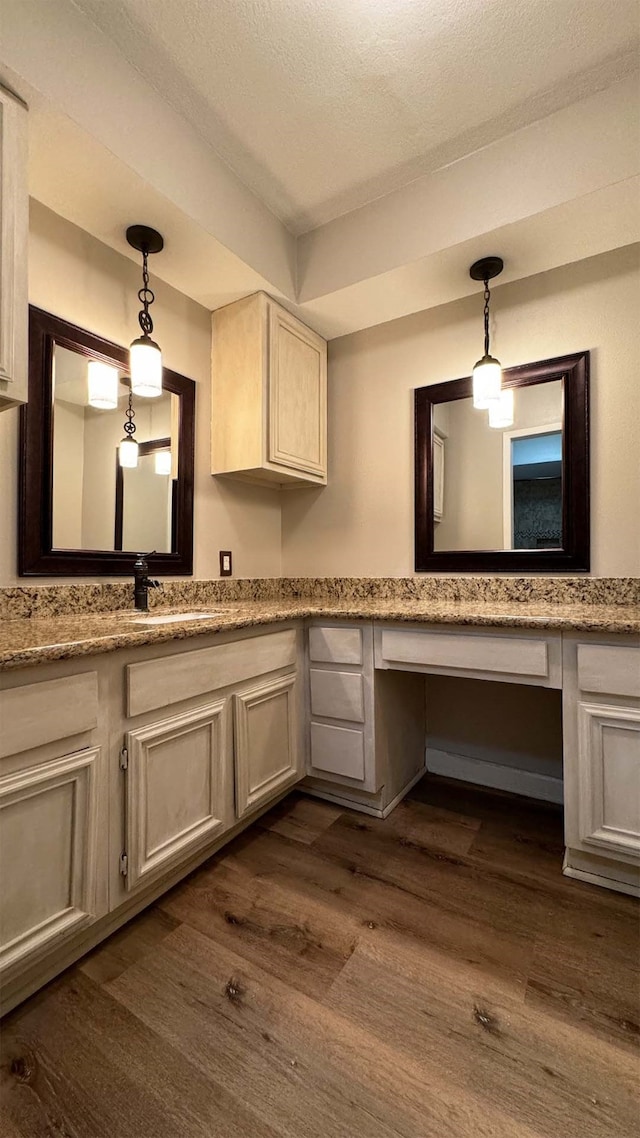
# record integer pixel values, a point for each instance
(609, 778)
(178, 793)
(601, 725)
(51, 812)
(267, 758)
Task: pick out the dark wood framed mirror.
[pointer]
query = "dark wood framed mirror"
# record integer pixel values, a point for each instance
(511, 498)
(68, 495)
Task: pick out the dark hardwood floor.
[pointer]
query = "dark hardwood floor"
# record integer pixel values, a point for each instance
(329, 975)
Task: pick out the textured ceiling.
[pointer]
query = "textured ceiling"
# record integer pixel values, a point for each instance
(322, 105)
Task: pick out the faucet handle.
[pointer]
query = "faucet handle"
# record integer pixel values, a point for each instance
(153, 584)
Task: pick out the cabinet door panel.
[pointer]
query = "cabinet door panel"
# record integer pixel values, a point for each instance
(49, 816)
(265, 742)
(297, 395)
(177, 789)
(609, 773)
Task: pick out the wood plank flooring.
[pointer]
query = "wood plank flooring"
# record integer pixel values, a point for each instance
(330, 975)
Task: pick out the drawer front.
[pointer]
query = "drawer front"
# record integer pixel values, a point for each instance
(479, 653)
(609, 669)
(48, 711)
(337, 695)
(337, 750)
(335, 645)
(157, 683)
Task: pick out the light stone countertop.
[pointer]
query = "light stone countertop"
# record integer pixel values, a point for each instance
(39, 640)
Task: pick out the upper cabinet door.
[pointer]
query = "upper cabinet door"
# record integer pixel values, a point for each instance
(14, 227)
(268, 395)
(297, 394)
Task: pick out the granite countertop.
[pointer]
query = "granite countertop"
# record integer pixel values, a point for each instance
(39, 640)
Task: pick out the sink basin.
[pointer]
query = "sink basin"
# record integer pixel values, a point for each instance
(174, 617)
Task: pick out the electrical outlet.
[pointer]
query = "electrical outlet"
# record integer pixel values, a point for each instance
(226, 568)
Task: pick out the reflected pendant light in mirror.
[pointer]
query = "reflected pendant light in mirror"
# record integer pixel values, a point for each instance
(128, 448)
(501, 410)
(162, 463)
(487, 372)
(145, 356)
(102, 385)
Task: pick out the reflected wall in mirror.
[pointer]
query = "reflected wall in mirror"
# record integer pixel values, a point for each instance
(80, 510)
(509, 498)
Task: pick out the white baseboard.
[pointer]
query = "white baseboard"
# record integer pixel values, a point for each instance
(513, 779)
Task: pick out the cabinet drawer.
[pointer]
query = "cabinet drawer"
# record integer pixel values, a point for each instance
(337, 695)
(337, 750)
(48, 711)
(335, 645)
(469, 653)
(157, 683)
(609, 669)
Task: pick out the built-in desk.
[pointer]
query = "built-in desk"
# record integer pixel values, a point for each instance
(369, 717)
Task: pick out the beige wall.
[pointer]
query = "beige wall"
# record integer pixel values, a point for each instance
(68, 471)
(78, 278)
(362, 523)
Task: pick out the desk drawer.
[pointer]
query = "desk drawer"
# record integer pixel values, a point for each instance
(504, 655)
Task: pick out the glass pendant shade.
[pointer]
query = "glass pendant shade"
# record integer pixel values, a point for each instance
(128, 453)
(102, 384)
(501, 410)
(163, 462)
(145, 361)
(487, 382)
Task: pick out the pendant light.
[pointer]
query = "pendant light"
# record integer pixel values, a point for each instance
(102, 385)
(487, 373)
(501, 409)
(128, 449)
(145, 357)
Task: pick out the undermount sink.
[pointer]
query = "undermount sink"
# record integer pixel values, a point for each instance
(175, 617)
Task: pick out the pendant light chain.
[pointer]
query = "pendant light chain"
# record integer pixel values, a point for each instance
(146, 296)
(130, 427)
(487, 298)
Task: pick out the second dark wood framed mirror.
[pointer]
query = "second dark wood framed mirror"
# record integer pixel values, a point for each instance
(76, 516)
(512, 498)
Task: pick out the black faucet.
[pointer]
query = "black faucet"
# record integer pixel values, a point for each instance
(142, 583)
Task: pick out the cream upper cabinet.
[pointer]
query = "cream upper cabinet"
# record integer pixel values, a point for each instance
(269, 395)
(14, 226)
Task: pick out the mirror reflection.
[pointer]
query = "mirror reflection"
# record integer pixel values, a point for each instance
(499, 488)
(98, 504)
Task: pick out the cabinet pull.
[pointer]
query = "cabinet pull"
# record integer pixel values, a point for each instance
(124, 759)
(124, 864)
